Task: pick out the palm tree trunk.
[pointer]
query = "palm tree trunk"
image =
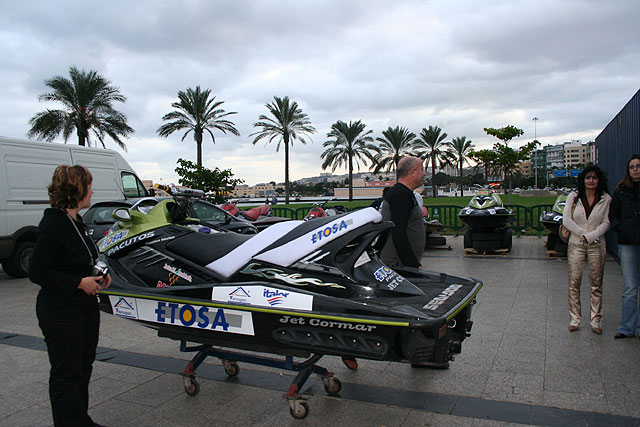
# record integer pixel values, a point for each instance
(350, 179)
(461, 183)
(433, 175)
(286, 167)
(198, 138)
(82, 136)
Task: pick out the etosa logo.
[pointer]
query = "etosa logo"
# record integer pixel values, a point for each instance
(328, 231)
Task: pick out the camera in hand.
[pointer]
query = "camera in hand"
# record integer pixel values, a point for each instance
(100, 269)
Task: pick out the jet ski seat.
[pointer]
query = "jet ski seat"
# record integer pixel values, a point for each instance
(286, 242)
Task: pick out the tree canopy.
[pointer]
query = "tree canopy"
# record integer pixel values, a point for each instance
(88, 100)
(287, 123)
(198, 112)
(349, 143)
(216, 181)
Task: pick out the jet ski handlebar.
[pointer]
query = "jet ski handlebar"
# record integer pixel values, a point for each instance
(180, 191)
(183, 198)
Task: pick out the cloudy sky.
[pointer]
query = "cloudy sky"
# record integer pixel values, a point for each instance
(461, 65)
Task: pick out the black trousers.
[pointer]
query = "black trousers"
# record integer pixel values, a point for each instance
(71, 334)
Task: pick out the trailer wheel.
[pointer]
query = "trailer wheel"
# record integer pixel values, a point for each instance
(191, 386)
(298, 410)
(332, 385)
(468, 239)
(231, 368)
(18, 265)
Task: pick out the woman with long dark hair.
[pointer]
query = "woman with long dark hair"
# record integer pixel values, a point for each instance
(67, 308)
(625, 221)
(586, 216)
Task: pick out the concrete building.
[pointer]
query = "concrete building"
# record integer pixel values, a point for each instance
(575, 154)
(525, 168)
(555, 156)
(258, 190)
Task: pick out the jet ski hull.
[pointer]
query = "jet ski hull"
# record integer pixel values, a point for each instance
(482, 220)
(377, 336)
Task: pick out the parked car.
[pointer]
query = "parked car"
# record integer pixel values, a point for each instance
(99, 217)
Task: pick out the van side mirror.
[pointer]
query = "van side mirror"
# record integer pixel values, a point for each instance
(151, 191)
(122, 214)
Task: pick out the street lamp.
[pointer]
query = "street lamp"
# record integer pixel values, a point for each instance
(535, 159)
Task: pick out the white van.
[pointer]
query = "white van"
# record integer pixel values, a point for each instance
(26, 168)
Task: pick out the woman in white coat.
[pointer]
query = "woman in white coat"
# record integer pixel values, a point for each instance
(586, 215)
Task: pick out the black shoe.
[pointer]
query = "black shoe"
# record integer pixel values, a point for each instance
(620, 336)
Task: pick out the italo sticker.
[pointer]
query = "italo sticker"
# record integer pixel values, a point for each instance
(263, 296)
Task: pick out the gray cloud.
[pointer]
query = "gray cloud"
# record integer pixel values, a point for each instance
(460, 65)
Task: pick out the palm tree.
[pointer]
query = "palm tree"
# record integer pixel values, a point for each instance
(459, 150)
(431, 146)
(350, 143)
(88, 100)
(197, 113)
(394, 144)
(287, 124)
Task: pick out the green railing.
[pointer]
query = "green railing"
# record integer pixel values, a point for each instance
(535, 212)
(524, 217)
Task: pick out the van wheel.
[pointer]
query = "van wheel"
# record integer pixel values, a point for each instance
(18, 265)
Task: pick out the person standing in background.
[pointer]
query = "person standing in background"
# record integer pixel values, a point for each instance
(400, 206)
(586, 216)
(624, 215)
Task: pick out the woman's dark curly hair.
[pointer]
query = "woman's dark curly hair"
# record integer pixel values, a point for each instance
(69, 185)
(626, 179)
(602, 180)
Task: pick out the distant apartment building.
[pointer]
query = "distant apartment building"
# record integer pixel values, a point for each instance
(555, 156)
(525, 168)
(258, 190)
(575, 154)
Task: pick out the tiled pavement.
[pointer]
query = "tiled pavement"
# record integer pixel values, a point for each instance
(521, 365)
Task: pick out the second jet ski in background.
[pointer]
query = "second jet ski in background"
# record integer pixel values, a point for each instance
(488, 221)
(551, 221)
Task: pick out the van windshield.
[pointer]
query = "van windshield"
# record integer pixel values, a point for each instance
(132, 186)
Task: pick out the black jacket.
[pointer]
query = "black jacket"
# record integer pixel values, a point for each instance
(60, 258)
(624, 215)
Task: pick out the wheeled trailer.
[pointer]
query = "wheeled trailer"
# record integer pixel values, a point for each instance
(298, 406)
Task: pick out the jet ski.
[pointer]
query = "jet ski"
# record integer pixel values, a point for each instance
(297, 289)
(261, 216)
(487, 219)
(551, 221)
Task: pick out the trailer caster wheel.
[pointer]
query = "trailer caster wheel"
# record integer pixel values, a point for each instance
(332, 385)
(298, 409)
(191, 385)
(231, 368)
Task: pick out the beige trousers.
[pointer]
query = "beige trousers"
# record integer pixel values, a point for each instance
(594, 254)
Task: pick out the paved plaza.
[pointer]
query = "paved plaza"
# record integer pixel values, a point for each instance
(520, 366)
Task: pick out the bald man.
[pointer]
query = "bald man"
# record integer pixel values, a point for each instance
(400, 206)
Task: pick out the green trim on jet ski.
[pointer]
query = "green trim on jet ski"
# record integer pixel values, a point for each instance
(466, 303)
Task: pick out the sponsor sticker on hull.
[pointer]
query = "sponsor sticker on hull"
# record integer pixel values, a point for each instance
(187, 315)
(262, 296)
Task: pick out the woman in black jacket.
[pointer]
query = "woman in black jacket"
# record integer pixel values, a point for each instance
(67, 308)
(624, 215)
